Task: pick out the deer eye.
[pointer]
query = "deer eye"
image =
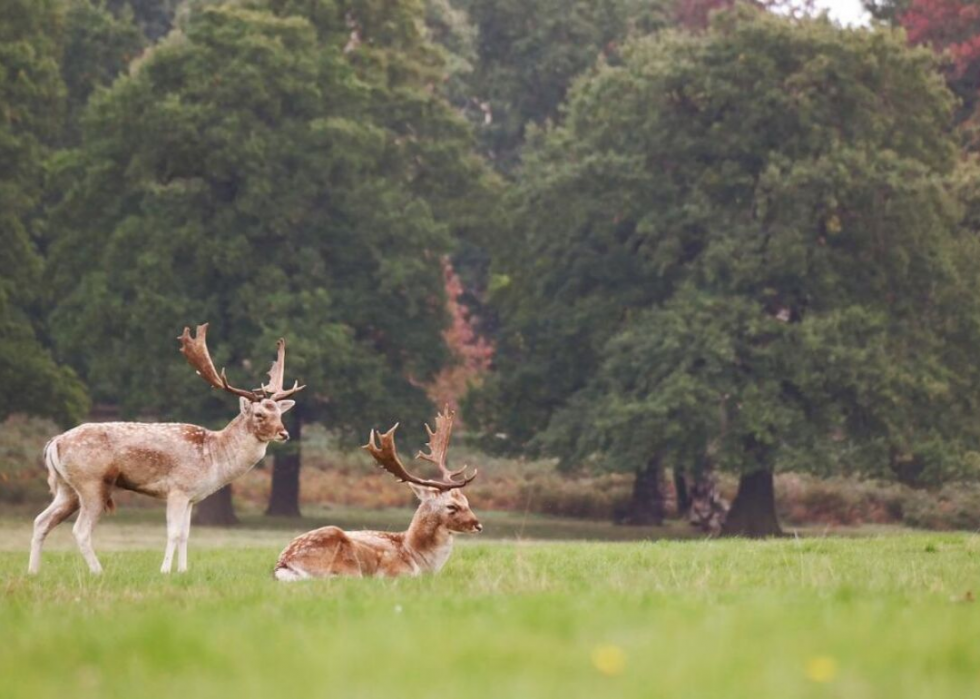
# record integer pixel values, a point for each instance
(453, 509)
(259, 418)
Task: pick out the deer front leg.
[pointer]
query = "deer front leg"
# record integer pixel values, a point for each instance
(177, 506)
(185, 534)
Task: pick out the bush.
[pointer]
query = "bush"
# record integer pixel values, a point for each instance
(22, 474)
(955, 506)
(332, 475)
(805, 499)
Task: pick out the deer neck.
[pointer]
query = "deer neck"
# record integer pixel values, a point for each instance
(428, 541)
(235, 450)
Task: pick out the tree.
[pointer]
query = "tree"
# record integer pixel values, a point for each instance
(32, 95)
(429, 148)
(736, 248)
(471, 353)
(527, 55)
(249, 173)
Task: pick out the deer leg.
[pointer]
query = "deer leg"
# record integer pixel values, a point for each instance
(63, 506)
(185, 534)
(177, 505)
(88, 517)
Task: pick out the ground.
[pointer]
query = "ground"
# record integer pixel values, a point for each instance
(889, 615)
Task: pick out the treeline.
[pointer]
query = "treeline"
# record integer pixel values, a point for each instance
(697, 235)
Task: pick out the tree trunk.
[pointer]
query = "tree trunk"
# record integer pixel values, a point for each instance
(647, 504)
(284, 498)
(216, 510)
(753, 513)
(708, 508)
(680, 489)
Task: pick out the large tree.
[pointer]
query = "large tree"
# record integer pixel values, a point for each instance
(258, 171)
(737, 247)
(33, 98)
(404, 79)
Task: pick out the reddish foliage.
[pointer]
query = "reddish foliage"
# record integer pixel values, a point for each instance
(472, 353)
(946, 25)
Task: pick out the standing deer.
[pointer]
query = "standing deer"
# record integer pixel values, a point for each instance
(179, 463)
(424, 547)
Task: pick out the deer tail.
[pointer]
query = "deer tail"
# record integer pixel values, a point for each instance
(51, 462)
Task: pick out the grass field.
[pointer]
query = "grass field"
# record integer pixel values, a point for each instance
(883, 616)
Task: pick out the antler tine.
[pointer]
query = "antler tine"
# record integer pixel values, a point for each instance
(439, 446)
(386, 456)
(195, 349)
(277, 374)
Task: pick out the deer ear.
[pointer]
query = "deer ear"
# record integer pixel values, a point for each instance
(285, 405)
(245, 405)
(423, 493)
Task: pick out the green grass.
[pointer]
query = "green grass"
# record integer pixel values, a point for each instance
(883, 616)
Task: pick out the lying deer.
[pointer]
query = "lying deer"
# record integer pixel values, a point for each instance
(424, 547)
(179, 463)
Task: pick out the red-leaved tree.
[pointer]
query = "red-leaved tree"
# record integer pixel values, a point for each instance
(472, 353)
(950, 27)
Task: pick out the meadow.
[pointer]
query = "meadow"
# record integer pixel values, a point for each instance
(887, 615)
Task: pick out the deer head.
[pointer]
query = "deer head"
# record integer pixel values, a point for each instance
(262, 408)
(441, 499)
(449, 508)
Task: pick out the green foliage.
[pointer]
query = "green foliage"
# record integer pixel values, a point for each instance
(450, 29)
(528, 53)
(34, 382)
(153, 17)
(735, 245)
(97, 48)
(250, 173)
(31, 95)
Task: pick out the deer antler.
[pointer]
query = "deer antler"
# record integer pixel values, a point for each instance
(277, 373)
(386, 455)
(439, 444)
(195, 349)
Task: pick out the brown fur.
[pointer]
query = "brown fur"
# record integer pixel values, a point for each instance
(177, 462)
(423, 547)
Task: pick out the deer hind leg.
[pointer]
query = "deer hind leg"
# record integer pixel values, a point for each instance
(92, 501)
(177, 506)
(64, 505)
(185, 534)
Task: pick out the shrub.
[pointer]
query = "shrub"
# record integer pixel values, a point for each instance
(332, 475)
(955, 506)
(22, 474)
